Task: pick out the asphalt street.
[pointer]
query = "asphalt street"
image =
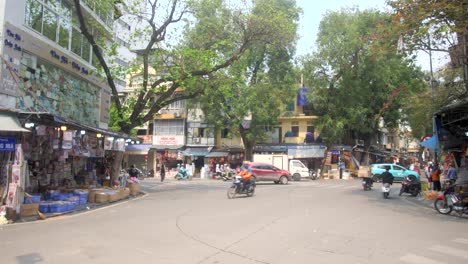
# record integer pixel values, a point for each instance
(191, 222)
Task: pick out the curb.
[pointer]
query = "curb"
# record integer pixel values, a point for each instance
(83, 211)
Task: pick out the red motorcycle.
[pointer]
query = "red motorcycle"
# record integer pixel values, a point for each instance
(452, 198)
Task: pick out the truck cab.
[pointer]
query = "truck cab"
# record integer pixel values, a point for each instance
(298, 170)
(295, 167)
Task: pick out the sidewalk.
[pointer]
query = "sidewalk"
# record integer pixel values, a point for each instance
(78, 210)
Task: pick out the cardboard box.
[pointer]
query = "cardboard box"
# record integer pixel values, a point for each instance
(29, 209)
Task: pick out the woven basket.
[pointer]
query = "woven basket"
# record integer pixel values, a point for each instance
(101, 197)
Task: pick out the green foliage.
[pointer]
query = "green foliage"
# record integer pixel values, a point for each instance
(429, 25)
(357, 75)
(256, 85)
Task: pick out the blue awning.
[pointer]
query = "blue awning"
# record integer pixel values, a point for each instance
(196, 151)
(430, 143)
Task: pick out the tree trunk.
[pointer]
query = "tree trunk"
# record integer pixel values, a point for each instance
(248, 144)
(116, 166)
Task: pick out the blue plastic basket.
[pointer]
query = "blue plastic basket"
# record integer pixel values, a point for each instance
(44, 207)
(83, 201)
(34, 198)
(54, 207)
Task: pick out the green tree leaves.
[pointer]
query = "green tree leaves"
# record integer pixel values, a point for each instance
(358, 76)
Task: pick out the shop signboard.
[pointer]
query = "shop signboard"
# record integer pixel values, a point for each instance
(11, 61)
(168, 140)
(7, 143)
(51, 80)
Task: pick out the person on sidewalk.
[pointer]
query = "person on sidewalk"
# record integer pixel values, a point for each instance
(436, 178)
(452, 173)
(163, 172)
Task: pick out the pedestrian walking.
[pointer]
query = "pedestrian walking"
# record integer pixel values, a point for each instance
(436, 178)
(163, 172)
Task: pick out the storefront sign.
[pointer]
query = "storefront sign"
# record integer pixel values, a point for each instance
(168, 140)
(7, 143)
(105, 106)
(307, 153)
(11, 60)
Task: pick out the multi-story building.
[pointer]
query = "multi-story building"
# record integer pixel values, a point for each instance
(48, 65)
(296, 134)
(49, 81)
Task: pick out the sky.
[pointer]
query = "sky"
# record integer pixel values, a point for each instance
(313, 11)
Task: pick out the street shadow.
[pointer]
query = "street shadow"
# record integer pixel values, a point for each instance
(30, 258)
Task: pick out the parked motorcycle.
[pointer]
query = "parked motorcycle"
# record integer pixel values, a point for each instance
(313, 175)
(367, 183)
(183, 174)
(228, 174)
(451, 199)
(410, 185)
(239, 187)
(386, 190)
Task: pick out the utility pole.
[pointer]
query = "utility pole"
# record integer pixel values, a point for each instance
(434, 128)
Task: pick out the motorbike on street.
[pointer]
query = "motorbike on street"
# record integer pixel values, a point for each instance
(313, 175)
(367, 183)
(410, 185)
(240, 187)
(386, 190)
(183, 174)
(228, 174)
(452, 199)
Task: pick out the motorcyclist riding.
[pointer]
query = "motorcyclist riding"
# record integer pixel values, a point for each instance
(246, 173)
(387, 176)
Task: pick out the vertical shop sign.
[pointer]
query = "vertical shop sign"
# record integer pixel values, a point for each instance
(11, 61)
(7, 143)
(105, 106)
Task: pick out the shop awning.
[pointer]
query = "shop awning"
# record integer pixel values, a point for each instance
(137, 149)
(217, 154)
(196, 151)
(46, 118)
(307, 153)
(10, 123)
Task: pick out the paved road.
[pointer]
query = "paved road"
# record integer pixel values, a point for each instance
(193, 222)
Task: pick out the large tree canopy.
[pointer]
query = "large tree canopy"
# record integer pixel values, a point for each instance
(246, 99)
(215, 35)
(438, 25)
(357, 76)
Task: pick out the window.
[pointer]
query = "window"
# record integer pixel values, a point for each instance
(310, 127)
(55, 20)
(141, 132)
(177, 105)
(298, 164)
(34, 15)
(64, 25)
(49, 25)
(169, 127)
(397, 168)
(76, 41)
(295, 129)
(225, 133)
